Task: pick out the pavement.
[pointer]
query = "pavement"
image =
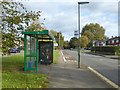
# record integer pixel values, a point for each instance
(107, 67)
(66, 74)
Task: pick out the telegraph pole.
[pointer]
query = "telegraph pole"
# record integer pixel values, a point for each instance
(59, 40)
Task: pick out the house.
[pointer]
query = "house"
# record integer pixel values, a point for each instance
(114, 41)
(99, 43)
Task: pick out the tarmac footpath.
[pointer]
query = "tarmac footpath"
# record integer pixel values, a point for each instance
(66, 74)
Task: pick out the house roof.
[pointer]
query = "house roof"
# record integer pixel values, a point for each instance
(118, 38)
(101, 41)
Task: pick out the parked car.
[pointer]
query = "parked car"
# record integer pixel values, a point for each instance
(14, 50)
(89, 48)
(71, 48)
(82, 48)
(62, 47)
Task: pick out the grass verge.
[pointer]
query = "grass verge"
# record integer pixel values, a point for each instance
(12, 76)
(0, 51)
(12, 64)
(55, 56)
(24, 80)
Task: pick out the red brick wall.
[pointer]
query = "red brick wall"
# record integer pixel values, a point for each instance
(112, 43)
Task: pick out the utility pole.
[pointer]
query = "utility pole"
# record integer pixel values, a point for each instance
(59, 40)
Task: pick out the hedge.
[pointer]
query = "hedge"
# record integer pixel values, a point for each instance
(107, 49)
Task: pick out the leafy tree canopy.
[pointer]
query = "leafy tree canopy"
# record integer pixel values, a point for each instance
(59, 38)
(73, 42)
(96, 30)
(15, 18)
(83, 41)
(53, 33)
(93, 32)
(66, 44)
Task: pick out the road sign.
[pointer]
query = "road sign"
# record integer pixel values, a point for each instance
(53, 39)
(55, 44)
(76, 33)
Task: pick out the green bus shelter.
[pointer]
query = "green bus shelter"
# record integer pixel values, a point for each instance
(38, 47)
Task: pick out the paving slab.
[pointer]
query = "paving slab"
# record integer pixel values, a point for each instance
(67, 75)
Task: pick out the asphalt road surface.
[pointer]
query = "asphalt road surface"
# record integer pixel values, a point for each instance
(105, 66)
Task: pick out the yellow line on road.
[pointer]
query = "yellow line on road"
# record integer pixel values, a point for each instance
(104, 78)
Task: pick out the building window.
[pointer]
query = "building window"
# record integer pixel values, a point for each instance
(112, 41)
(117, 41)
(109, 42)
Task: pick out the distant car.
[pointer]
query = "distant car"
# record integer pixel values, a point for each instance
(71, 48)
(89, 48)
(14, 50)
(82, 48)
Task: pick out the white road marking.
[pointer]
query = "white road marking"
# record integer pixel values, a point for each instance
(63, 57)
(67, 56)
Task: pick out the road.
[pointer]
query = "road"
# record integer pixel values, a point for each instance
(105, 66)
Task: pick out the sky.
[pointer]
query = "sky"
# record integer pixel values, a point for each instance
(62, 15)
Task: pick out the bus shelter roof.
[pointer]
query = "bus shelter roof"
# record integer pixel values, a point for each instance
(44, 34)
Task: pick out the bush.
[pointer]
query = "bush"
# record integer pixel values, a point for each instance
(117, 50)
(107, 49)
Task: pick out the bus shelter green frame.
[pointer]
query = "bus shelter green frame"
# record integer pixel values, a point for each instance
(38, 36)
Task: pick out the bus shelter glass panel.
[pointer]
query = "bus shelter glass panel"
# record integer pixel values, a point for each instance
(31, 57)
(33, 46)
(28, 45)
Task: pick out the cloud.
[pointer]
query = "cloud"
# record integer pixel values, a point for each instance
(63, 16)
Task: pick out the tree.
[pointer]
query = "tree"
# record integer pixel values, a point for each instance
(73, 42)
(59, 39)
(83, 41)
(15, 18)
(93, 32)
(53, 33)
(35, 26)
(66, 44)
(90, 37)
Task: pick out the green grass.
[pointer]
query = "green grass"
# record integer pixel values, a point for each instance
(13, 77)
(16, 63)
(24, 80)
(12, 63)
(55, 56)
(0, 51)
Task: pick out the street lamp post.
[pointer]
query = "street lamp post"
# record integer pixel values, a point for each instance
(79, 31)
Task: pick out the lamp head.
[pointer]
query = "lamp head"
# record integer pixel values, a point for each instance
(83, 2)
